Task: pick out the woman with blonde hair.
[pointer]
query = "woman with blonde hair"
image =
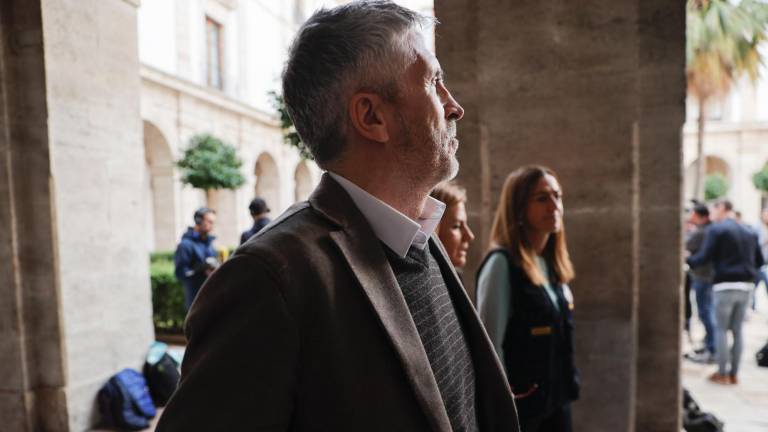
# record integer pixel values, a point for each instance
(453, 230)
(525, 302)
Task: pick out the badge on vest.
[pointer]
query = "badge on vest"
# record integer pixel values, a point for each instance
(541, 331)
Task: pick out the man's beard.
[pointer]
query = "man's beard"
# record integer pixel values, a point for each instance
(454, 161)
(431, 169)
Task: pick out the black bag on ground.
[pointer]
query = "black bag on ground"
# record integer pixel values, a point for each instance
(762, 356)
(162, 377)
(696, 420)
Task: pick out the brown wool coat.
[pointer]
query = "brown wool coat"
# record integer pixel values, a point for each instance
(306, 329)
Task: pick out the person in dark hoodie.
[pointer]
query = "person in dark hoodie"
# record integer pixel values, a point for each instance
(701, 282)
(195, 257)
(259, 211)
(735, 254)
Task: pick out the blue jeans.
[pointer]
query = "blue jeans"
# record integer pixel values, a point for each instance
(730, 308)
(706, 313)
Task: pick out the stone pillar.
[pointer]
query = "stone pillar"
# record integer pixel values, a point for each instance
(592, 91)
(75, 299)
(661, 26)
(33, 375)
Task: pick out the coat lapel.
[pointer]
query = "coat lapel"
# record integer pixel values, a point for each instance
(365, 256)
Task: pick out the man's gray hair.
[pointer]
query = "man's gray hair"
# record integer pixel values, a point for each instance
(364, 45)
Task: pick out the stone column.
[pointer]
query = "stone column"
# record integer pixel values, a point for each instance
(33, 375)
(75, 299)
(661, 75)
(581, 88)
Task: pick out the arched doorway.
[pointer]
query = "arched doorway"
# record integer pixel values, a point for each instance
(302, 181)
(159, 189)
(267, 180)
(712, 165)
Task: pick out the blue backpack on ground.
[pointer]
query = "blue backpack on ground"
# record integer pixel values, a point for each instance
(124, 401)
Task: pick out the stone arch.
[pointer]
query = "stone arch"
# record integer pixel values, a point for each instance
(716, 164)
(267, 180)
(303, 182)
(712, 164)
(159, 185)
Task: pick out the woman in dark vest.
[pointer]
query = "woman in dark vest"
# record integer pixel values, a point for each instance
(525, 302)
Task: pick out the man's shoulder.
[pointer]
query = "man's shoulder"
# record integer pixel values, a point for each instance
(751, 232)
(185, 243)
(719, 227)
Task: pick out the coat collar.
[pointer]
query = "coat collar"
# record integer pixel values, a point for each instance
(365, 256)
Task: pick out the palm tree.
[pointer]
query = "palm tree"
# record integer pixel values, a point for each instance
(722, 45)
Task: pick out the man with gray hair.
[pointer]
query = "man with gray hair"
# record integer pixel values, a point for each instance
(345, 313)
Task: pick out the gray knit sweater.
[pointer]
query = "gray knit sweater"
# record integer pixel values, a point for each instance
(431, 307)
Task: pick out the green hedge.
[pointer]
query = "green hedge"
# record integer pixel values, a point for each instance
(167, 294)
(161, 256)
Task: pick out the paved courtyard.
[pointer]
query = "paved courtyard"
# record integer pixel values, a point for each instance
(743, 407)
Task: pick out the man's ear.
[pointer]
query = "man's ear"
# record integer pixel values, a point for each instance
(366, 112)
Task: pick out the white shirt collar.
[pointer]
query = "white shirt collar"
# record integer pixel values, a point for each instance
(393, 228)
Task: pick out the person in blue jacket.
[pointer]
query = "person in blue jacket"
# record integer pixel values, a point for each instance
(195, 257)
(524, 299)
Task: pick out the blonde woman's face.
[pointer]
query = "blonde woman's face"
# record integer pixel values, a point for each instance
(455, 234)
(544, 213)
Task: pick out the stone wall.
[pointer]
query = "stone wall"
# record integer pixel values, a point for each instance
(741, 147)
(96, 141)
(76, 299)
(97, 166)
(661, 58)
(178, 110)
(595, 91)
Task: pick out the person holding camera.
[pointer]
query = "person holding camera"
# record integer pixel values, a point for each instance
(195, 257)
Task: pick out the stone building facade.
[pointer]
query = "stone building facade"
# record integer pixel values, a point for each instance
(735, 143)
(207, 66)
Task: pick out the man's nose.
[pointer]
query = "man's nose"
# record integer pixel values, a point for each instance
(453, 111)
